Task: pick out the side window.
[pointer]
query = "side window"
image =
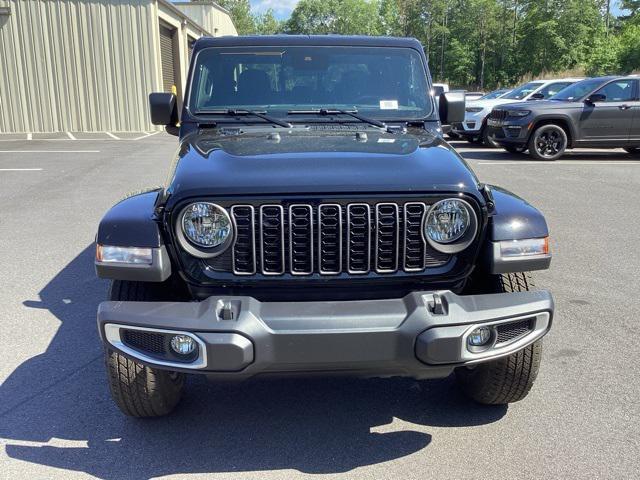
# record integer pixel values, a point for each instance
(618, 91)
(553, 88)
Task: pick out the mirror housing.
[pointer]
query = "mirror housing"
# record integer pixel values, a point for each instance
(164, 111)
(537, 96)
(451, 107)
(595, 98)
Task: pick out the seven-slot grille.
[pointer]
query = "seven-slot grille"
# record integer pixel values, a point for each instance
(498, 116)
(331, 239)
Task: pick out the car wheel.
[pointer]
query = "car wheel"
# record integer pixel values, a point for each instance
(508, 379)
(513, 149)
(486, 140)
(633, 150)
(548, 142)
(138, 390)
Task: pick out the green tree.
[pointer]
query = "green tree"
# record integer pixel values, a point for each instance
(240, 11)
(267, 23)
(347, 17)
(630, 48)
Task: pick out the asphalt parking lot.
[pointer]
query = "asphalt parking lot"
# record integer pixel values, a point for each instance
(582, 419)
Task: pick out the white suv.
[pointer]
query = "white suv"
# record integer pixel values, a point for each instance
(477, 111)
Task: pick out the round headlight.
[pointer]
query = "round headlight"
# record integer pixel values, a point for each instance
(450, 225)
(207, 226)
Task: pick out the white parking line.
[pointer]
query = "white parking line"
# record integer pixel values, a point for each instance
(563, 162)
(70, 135)
(29, 136)
(49, 151)
(112, 135)
(145, 135)
(20, 169)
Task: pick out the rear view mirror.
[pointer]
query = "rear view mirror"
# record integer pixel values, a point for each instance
(537, 96)
(451, 107)
(164, 111)
(596, 97)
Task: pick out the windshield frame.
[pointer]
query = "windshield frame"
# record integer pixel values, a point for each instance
(192, 115)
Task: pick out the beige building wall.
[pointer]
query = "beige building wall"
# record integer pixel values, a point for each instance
(209, 15)
(85, 65)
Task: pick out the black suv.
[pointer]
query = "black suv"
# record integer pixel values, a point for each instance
(315, 221)
(599, 112)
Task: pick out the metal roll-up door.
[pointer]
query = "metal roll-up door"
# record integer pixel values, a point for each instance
(167, 57)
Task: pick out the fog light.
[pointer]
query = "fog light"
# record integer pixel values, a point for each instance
(479, 337)
(183, 344)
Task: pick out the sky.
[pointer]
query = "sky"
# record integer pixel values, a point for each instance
(282, 8)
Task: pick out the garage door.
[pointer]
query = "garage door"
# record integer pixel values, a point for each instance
(167, 56)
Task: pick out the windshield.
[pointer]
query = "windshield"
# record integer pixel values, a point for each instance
(494, 94)
(523, 90)
(577, 90)
(386, 83)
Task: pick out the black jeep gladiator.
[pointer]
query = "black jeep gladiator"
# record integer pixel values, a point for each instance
(315, 222)
(601, 112)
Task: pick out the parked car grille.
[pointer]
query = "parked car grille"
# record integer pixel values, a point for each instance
(329, 239)
(497, 116)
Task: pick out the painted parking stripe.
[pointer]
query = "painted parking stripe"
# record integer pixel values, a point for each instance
(49, 151)
(112, 135)
(146, 135)
(29, 136)
(70, 135)
(20, 169)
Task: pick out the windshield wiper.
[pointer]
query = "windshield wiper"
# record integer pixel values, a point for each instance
(243, 111)
(337, 111)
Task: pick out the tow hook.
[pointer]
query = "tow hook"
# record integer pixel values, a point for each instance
(437, 304)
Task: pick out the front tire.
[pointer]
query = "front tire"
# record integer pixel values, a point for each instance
(548, 142)
(138, 390)
(508, 379)
(486, 140)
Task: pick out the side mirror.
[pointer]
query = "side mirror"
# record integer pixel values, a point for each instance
(596, 97)
(164, 111)
(451, 107)
(537, 96)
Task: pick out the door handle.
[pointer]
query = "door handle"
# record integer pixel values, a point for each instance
(624, 107)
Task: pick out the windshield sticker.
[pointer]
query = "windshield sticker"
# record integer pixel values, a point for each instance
(388, 104)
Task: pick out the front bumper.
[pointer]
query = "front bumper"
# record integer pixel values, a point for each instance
(473, 123)
(510, 133)
(423, 335)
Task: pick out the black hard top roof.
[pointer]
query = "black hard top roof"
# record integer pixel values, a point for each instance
(302, 40)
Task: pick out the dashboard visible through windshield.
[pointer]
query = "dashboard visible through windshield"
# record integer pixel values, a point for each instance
(380, 82)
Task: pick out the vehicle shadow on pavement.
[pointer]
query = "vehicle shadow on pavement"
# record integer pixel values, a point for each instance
(55, 410)
(499, 154)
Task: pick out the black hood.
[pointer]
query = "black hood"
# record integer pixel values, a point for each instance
(325, 159)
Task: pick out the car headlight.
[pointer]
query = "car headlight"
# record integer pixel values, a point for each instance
(473, 109)
(518, 113)
(204, 229)
(451, 225)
